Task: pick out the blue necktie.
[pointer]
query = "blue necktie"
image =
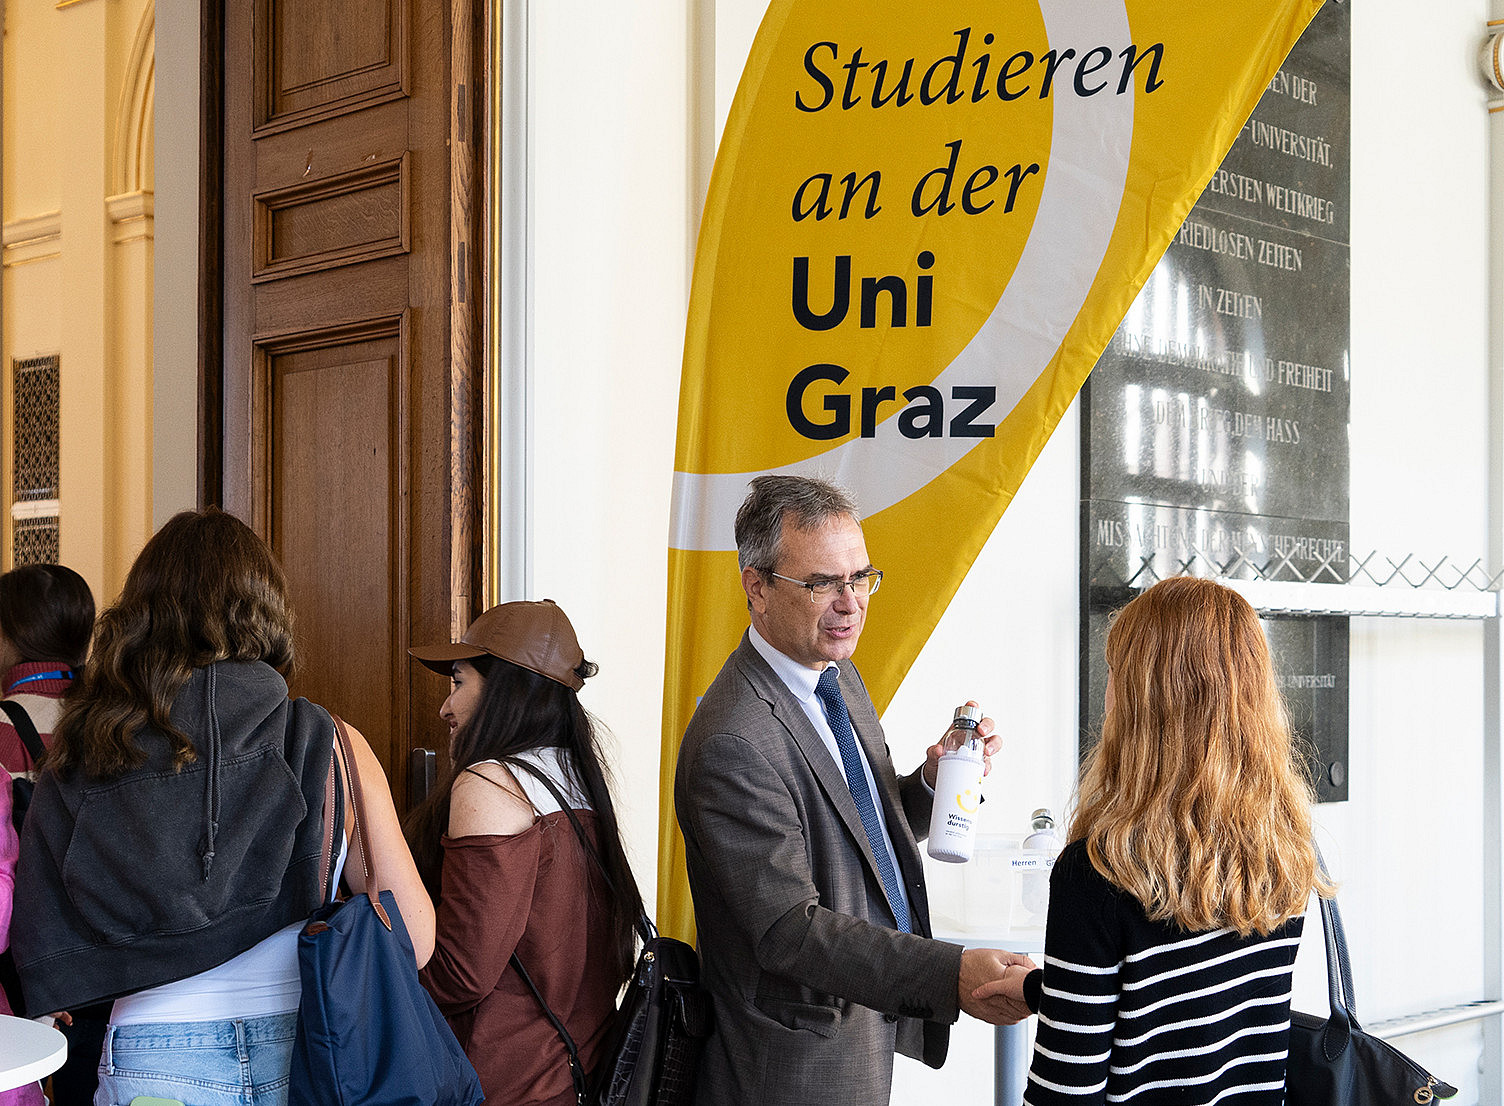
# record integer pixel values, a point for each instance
(829, 692)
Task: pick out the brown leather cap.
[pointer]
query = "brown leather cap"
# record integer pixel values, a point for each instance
(536, 636)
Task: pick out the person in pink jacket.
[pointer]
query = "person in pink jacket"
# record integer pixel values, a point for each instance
(10, 849)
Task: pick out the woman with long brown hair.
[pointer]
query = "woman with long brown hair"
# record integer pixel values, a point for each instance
(1176, 907)
(174, 846)
(520, 848)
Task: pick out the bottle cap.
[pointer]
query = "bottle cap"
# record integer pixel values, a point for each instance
(968, 716)
(1042, 814)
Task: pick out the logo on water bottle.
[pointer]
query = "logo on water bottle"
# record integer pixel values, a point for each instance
(961, 801)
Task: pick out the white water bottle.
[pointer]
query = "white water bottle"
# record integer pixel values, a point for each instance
(958, 789)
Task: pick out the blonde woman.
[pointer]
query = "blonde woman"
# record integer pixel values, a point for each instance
(1177, 906)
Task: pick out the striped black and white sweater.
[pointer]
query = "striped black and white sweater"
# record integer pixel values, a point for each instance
(1142, 1012)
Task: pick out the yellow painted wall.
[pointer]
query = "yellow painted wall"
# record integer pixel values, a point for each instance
(76, 263)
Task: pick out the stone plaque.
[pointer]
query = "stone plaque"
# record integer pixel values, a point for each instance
(1216, 422)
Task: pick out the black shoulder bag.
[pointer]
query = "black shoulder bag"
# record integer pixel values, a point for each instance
(654, 1045)
(1333, 1062)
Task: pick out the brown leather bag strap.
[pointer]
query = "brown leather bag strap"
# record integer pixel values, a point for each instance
(374, 886)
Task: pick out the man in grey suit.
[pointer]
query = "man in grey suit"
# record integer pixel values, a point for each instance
(800, 839)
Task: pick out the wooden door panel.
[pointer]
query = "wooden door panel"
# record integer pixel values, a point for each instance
(339, 219)
(316, 57)
(336, 472)
(330, 145)
(316, 299)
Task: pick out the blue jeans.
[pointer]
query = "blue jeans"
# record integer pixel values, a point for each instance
(219, 1063)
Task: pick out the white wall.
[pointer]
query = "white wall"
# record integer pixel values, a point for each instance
(612, 226)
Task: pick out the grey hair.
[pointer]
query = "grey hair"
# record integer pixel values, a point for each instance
(805, 501)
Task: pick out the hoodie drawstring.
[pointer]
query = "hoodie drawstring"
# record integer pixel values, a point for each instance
(211, 784)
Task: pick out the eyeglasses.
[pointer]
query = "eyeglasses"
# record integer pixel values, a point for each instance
(862, 584)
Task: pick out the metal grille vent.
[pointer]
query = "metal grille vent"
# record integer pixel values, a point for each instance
(35, 541)
(35, 463)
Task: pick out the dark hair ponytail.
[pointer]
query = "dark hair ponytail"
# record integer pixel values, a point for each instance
(520, 711)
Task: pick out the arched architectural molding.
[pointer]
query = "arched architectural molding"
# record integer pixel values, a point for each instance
(131, 163)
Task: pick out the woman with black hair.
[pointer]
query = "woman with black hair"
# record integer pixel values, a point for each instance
(46, 620)
(506, 866)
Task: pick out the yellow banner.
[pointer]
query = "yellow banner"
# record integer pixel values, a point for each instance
(924, 224)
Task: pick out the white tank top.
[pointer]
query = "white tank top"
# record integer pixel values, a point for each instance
(262, 980)
(550, 761)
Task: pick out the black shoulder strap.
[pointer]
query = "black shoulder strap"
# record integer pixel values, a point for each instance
(1338, 967)
(25, 727)
(576, 1072)
(645, 928)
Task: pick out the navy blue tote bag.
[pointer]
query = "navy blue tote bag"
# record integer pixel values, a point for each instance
(368, 1033)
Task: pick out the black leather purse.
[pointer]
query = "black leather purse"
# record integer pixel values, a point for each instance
(1333, 1062)
(660, 1030)
(652, 1050)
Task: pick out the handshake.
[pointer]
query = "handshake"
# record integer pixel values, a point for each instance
(992, 985)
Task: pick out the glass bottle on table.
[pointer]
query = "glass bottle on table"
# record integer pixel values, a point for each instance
(1042, 839)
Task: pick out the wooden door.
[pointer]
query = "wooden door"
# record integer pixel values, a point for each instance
(348, 406)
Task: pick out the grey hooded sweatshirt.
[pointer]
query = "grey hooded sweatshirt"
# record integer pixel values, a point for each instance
(159, 874)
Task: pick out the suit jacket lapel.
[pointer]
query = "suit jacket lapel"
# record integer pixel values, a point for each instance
(827, 772)
(864, 722)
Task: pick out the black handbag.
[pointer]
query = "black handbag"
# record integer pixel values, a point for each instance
(368, 1034)
(1333, 1062)
(660, 1029)
(653, 1048)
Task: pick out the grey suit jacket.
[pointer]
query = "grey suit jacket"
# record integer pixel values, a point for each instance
(814, 989)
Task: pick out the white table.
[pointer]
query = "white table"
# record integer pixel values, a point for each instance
(29, 1051)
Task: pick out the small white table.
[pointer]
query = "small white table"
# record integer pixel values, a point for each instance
(29, 1051)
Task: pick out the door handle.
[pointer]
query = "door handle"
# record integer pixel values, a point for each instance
(422, 771)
